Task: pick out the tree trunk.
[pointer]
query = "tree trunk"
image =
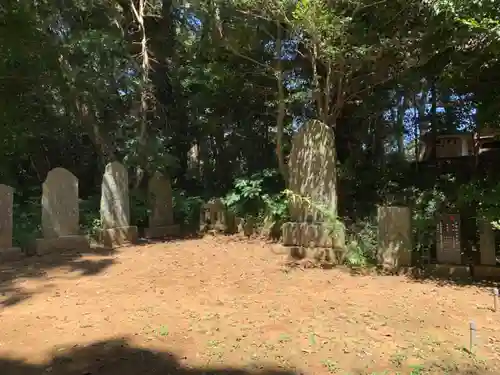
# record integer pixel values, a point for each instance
(281, 109)
(434, 123)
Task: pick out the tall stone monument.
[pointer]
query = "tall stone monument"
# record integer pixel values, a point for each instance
(312, 174)
(60, 214)
(161, 218)
(115, 208)
(7, 251)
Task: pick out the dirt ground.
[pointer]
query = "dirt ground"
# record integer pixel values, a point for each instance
(222, 306)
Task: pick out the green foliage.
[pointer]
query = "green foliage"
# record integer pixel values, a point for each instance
(90, 218)
(255, 197)
(362, 244)
(70, 96)
(187, 209)
(484, 196)
(276, 207)
(139, 208)
(27, 222)
(334, 225)
(425, 211)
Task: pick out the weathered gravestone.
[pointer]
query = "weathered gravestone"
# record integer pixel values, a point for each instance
(215, 217)
(312, 174)
(115, 207)
(161, 218)
(487, 268)
(60, 214)
(394, 237)
(487, 243)
(7, 252)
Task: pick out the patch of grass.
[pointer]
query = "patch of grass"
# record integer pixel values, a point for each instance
(312, 339)
(331, 366)
(398, 359)
(417, 370)
(284, 338)
(162, 331)
(213, 343)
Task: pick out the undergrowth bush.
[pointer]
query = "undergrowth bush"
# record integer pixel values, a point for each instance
(27, 219)
(187, 209)
(90, 217)
(259, 198)
(362, 243)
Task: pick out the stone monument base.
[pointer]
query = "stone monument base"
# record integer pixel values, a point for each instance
(486, 272)
(313, 241)
(332, 256)
(11, 254)
(313, 235)
(393, 257)
(161, 232)
(121, 236)
(61, 244)
(448, 270)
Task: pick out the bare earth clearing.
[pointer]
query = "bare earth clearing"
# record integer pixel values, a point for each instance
(196, 306)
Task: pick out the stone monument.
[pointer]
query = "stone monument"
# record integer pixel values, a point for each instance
(7, 251)
(115, 208)
(394, 237)
(161, 218)
(312, 174)
(60, 214)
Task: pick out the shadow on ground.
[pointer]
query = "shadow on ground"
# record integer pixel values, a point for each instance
(32, 267)
(117, 357)
(442, 280)
(330, 259)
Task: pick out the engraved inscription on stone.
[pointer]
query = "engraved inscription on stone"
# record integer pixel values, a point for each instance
(448, 247)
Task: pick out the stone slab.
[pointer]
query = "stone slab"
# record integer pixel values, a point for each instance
(161, 232)
(60, 211)
(11, 254)
(160, 201)
(448, 270)
(121, 236)
(6, 223)
(394, 237)
(115, 204)
(486, 272)
(487, 244)
(77, 243)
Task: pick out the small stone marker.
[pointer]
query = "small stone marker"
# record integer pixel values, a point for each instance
(60, 214)
(215, 217)
(115, 207)
(7, 252)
